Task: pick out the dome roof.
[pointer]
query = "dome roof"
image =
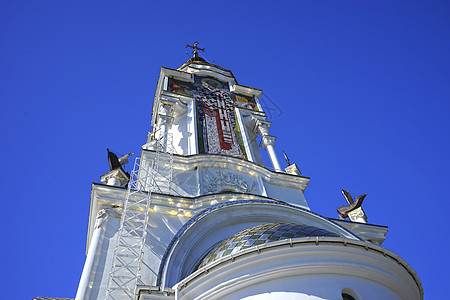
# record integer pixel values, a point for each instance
(261, 234)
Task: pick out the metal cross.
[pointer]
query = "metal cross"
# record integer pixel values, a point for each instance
(195, 52)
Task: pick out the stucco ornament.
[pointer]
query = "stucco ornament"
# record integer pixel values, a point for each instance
(357, 215)
(103, 214)
(222, 180)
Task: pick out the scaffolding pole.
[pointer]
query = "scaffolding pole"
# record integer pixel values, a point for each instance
(146, 178)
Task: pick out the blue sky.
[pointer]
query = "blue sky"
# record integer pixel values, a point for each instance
(360, 91)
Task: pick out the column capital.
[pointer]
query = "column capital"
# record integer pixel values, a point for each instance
(262, 127)
(267, 140)
(103, 214)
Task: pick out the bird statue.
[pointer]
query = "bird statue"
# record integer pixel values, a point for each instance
(124, 159)
(115, 162)
(344, 211)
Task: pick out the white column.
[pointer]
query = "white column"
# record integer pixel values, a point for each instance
(268, 143)
(192, 128)
(93, 253)
(166, 83)
(244, 134)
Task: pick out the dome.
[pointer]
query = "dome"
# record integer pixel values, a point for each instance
(261, 234)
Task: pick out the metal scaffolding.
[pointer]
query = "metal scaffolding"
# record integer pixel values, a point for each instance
(147, 177)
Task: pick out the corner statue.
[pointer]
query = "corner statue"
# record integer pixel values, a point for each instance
(354, 210)
(115, 162)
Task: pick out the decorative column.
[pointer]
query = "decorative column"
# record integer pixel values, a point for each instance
(268, 143)
(87, 276)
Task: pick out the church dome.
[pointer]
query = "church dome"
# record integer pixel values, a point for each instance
(261, 234)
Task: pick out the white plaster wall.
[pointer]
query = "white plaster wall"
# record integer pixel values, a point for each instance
(200, 181)
(197, 175)
(186, 183)
(161, 229)
(180, 132)
(286, 194)
(323, 286)
(321, 270)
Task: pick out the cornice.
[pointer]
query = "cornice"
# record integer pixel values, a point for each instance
(190, 162)
(204, 68)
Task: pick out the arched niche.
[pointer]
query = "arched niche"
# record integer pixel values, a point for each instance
(199, 235)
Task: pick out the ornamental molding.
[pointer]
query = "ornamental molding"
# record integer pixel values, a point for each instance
(245, 90)
(167, 72)
(222, 180)
(103, 214)
(209, 70)
(262, 127)
(357, 215)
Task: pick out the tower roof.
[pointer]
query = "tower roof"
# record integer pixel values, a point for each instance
(200, 61)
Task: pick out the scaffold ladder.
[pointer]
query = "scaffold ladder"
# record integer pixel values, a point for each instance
(147, 177)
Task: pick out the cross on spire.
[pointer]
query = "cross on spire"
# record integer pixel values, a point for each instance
(195, 52)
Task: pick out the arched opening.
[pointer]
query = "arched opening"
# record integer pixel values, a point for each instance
(350, 294)
(346, 296)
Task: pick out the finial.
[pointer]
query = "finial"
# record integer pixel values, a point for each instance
(286, 158)
(354, 210)
(195, 52)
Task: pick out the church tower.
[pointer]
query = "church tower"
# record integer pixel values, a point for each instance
(202, 217)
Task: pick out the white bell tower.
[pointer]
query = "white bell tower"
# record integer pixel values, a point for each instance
(202, 217)
(208, 112)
